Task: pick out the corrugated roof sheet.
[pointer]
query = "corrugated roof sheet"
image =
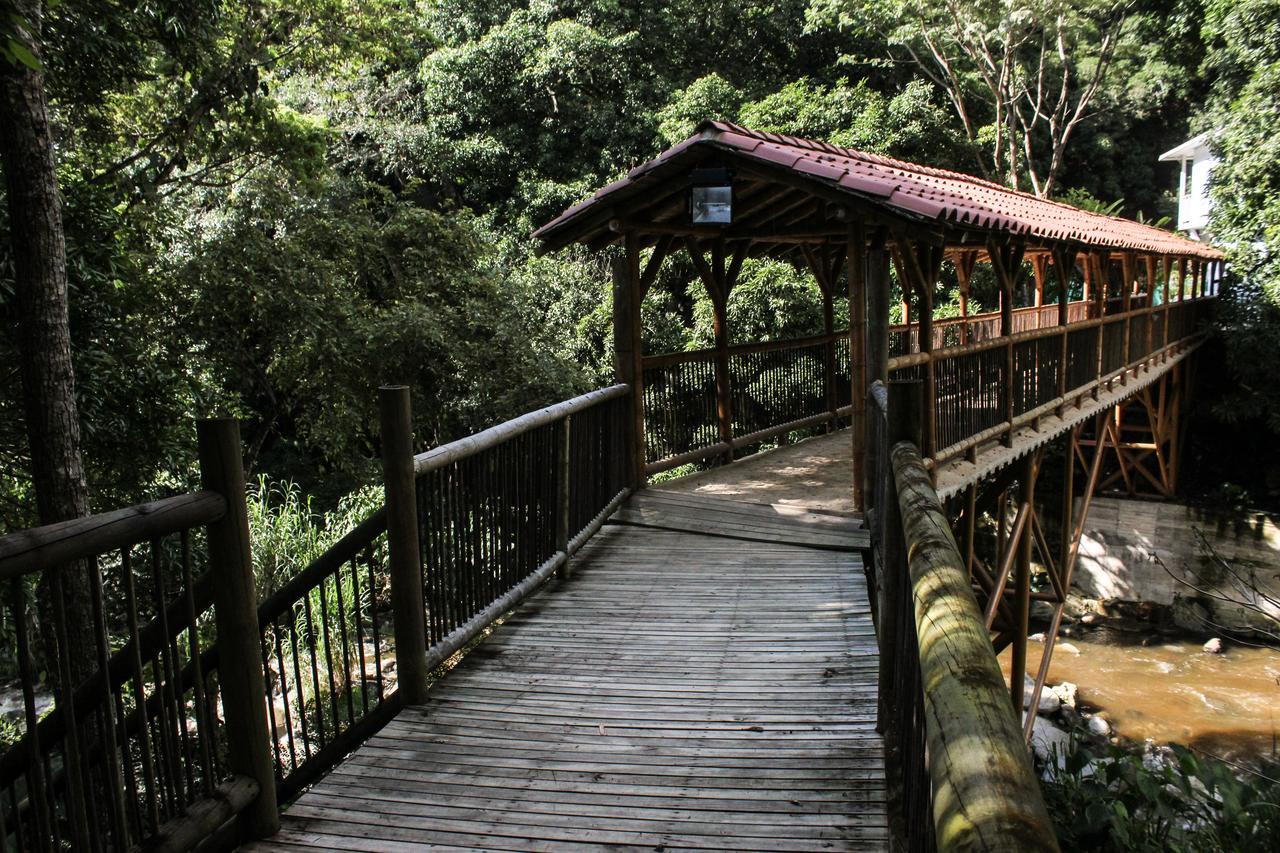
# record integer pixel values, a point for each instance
(909, 189)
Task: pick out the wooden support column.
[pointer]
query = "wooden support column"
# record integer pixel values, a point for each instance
(1101, 279)
(903, 424)
(856, 283)
(719, 280)
(408, 615)
(1039, 269)
(1006, 261)
(877, 287)
(628, 347)
(1022, 584)
(1087, 295)
(1152, 265)
(921, 263)
(235, 597)
(1064, 260)
(1126, 297)
(965, 262)
(1182, 279)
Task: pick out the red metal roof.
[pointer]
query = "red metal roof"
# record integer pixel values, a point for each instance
(908, 189)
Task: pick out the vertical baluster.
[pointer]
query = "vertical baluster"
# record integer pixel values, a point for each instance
(358, 605)
(38, 790)
(373, 626)
(276, 754)
(173, 682)
(162, 670)
(309, 643)
(285, 700)
(205, 729)
(345, 645)
(109, 727)
(140, 693)
(78, 809)
(300, 694)
(325, 637)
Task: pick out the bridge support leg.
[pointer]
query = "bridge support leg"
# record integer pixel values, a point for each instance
(1144, 434)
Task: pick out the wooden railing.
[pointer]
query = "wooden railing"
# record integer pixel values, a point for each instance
(215, 707)
(960, 776)
(154, 743)
(468, 530)
(779, 387)
(982, 391)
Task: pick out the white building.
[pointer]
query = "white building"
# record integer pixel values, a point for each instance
(1194, 204)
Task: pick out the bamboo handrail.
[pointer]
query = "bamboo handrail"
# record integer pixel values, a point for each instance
(65, 542)
(985, 794)
(462, 448)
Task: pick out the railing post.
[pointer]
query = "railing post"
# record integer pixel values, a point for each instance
(628, 349)
(563, 494)
(876, 286)
(408, 615)
(240, 677)
(905, 422)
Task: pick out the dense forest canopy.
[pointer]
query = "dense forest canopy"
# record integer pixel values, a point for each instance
(273, 206)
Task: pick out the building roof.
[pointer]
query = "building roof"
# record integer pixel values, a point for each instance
(909, 193)
(1189, 149)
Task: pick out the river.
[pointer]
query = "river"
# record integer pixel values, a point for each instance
(1153, 686)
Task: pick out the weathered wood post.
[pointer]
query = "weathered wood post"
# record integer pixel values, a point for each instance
(563, 493)
(235, 602)
(860, 344)
(905, 423)
(1063, 263)
(874, 271)
(408, 613)
(985, 793)
(628, 347)
(1101, 292)
(1022, 585)
(1126, 303)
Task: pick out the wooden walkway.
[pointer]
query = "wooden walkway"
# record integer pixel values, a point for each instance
(705, 679)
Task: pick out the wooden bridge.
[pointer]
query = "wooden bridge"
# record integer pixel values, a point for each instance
(533, 645)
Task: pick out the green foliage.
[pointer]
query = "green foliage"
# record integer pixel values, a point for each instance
(771, 301)
(288, 532)
(1114, 799)
(1245, 59)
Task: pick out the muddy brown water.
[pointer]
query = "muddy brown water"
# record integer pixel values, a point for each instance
(1167, 688)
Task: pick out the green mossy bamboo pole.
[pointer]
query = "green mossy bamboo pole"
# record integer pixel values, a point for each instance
(985, 794)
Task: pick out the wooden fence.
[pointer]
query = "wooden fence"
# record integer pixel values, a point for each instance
(960, 775)
(776, 388)
(203, 708)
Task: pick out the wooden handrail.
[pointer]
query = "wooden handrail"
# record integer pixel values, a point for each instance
(31, 550)
(462, 448)
(985, 795)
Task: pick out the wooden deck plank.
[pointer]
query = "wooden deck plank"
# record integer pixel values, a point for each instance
(680, 691)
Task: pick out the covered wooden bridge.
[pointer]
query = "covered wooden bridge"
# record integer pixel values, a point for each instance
(747, 659)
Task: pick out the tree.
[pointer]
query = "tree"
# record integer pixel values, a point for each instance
(1243, 37)
(40, 285)
(1021, 77)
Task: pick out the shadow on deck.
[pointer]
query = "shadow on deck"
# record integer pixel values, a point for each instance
(704, 679)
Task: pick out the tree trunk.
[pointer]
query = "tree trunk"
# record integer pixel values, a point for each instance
(44, 339)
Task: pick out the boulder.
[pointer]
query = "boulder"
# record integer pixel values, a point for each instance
(1066, 693)
(1049, 703)
(1213, 647)
(1098, 726)
(1049, 742)
(1067, 648)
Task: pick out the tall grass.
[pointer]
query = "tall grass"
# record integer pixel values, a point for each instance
(288, 532)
